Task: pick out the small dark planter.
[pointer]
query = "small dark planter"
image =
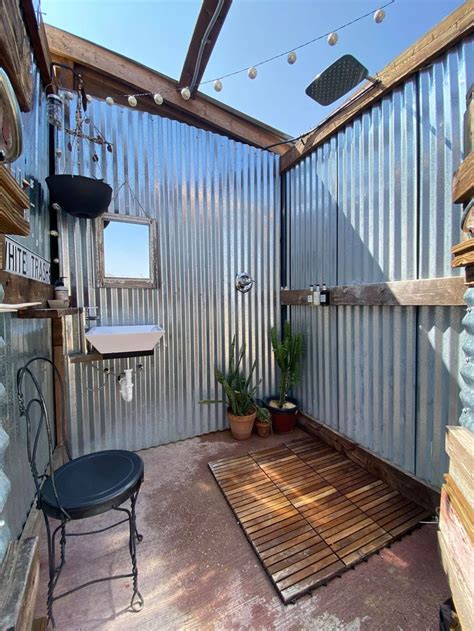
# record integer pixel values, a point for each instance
(283, 421)
(80, 196)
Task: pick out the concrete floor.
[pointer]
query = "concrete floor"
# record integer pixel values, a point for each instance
(198, 571)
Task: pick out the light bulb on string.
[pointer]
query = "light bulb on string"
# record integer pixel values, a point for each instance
(217, 85)
(158, 99)
(89, 98)
(109, 100)
(132, 101)
(291, 59)
(379, 16)
(186, 94)
(332, 39)
(252, 72)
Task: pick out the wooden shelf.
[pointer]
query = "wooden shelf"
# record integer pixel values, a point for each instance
(48, 313)
(85, 358)
(463, 181)
(13, 203)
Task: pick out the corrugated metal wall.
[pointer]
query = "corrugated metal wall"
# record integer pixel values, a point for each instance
(217, 206)
(25, 339)
(373, 205)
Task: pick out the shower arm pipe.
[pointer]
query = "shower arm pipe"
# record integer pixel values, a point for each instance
(76, 75)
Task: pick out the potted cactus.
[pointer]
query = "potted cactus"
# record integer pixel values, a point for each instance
(239, 393)
(287, 353)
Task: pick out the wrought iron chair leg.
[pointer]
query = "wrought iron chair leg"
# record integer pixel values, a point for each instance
(137, 601)
(139, 537)
(52, 570)
(62, 543)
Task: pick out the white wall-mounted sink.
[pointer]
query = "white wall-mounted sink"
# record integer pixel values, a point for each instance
(124, 339)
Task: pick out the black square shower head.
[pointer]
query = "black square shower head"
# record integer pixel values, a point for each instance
(338, 79)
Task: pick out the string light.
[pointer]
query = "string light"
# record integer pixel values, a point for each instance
(379, 16)
(89, 98)
(332, 38)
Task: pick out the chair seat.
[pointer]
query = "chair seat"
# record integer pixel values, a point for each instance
(93, 484)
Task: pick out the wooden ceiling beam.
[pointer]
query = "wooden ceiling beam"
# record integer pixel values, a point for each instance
(195, 61)
(120, 70)
(35, 28)
(447, 33)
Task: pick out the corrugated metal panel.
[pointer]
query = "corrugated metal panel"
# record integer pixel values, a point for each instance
(442, 103)
(318, 388)
(311, 199)
(397, 368)
(377, 184)
(442, 92)
(438, 364)
(377, 372)
(217, 206)
(26, 338)
(311, 191)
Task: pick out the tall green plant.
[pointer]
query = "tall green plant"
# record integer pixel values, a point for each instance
(238, 389)
(287, 352)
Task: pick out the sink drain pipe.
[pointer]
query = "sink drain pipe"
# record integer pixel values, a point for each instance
(126, 385)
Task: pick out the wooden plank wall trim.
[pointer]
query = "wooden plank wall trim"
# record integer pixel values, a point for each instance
(447, 292)
(406, 484)
(444, 35)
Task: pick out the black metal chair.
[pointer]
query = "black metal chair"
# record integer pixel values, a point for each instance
(81, 488)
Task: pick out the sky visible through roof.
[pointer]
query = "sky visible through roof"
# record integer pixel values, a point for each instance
(157, 33)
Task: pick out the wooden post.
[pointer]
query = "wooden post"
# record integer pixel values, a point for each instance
(57, 329)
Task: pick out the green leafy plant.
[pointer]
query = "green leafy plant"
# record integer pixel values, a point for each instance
(287, 352)
(238, 389)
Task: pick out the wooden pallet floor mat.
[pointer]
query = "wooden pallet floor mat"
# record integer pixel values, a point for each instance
(310, 513)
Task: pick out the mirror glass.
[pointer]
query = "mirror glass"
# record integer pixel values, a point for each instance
(126, 250)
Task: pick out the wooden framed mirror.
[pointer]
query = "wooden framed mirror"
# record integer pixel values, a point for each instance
(126, 251)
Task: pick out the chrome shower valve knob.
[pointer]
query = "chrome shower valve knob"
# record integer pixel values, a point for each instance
(243, 282)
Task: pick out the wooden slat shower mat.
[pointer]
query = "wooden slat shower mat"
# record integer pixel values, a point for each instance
(310, 513)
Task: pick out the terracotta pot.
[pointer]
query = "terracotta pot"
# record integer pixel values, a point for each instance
(263, 429)
(241, 426)
(283, 421)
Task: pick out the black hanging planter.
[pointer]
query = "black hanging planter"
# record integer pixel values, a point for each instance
(80, 196)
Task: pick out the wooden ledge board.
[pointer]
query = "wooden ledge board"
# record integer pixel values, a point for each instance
(406, 293)
(19, 289)
(310, 513)
(43, 313)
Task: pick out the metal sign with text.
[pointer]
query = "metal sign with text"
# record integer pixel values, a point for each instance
(21, 261)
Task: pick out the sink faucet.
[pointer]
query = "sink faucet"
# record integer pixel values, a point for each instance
(91, 315)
